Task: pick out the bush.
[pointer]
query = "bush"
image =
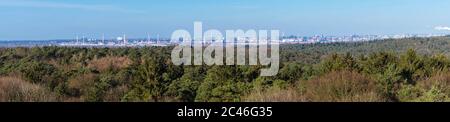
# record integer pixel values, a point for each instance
(389, 80)
(434, 89)
(291, 72)
(109, 62)
(79, 85)
(17, 90)
(222, 84)
(275, 94)
(184, 90)
(342, 86)
(42, 73)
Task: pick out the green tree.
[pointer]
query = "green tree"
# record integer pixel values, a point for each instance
(42, 73)
(148, 83)
(291, 72)
(185, 88)
(96, 92)
(412, 66)
(222, 83)
(389, 80)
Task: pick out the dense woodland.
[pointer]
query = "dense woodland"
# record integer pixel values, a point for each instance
(393, 70)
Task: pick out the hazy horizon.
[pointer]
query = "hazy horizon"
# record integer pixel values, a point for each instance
(64, 19)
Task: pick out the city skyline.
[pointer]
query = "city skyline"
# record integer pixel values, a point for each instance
(64, 19)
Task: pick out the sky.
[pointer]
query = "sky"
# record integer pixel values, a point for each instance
(65, 19)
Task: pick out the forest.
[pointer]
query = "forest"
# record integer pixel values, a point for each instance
(391, 70)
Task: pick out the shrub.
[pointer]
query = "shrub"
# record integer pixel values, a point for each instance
(184, 89)
(79, 85)
(291, 72)
(42, 73)
(434, 89)
(342, 86)
(275, 94)
(115, 94)
(389, 80)
(221, 84)
(110, 62)
(14, 89)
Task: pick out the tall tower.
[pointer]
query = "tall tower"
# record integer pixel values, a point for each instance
(157, 40)
(125, 39)
(77, 39)
(83, 39)
(103, 38)
(148, 38)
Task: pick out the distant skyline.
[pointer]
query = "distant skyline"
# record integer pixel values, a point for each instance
(64, 19)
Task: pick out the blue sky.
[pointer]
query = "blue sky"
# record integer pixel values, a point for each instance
(61, 19)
